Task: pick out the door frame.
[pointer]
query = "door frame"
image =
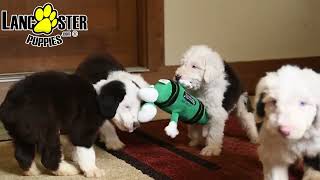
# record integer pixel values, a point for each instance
(150, 33)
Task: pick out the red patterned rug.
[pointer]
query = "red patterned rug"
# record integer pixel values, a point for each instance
(161, 157)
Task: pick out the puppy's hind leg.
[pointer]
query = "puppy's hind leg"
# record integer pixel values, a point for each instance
(247, 118)
(215, 134)
(24, 154)
(108, 135)
(52, 158)
(195, 135)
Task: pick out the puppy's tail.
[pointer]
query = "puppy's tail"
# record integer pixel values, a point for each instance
(246, 116)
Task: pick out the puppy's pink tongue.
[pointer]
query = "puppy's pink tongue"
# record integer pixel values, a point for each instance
(284, 130)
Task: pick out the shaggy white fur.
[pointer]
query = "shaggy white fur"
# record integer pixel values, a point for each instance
(86, 158)
(33, 170)
(203, 73)
(126, 118)
(288, 105)
(66, 169)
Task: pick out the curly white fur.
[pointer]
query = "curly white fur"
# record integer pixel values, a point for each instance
(126, 118)
(290, 130)
(202, 72)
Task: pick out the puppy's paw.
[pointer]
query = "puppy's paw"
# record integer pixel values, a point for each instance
(210, 151)
(311, 174)
(193, 143)
(66, 169)
(171, 130)
(94, 173)
(114, 144)
(254, 140)
(33, 170)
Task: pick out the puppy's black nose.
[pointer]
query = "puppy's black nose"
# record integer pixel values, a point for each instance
(136, 125)
(177, 77)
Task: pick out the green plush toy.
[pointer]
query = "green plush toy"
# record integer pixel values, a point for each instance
(172, 98)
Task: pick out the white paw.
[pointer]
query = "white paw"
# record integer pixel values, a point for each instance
(33, 170)
(210, 151)
(115, 144)
(254, 140)
(66, 169)
(171, 130)
(94, 173)
(186, 84)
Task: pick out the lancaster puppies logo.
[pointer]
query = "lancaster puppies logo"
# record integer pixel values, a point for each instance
(42, 23)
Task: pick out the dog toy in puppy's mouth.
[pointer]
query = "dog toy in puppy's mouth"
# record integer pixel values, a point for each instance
(171, 97)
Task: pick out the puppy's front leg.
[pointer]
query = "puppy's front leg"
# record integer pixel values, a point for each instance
(86, 158)
(214, 139)
(108, 135)
(275, 171)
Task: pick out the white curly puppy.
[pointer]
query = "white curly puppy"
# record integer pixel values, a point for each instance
(209, 78)
(287, 104)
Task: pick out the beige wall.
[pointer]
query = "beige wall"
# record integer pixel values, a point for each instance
(243, 30)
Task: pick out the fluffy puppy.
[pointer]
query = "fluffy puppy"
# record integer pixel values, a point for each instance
(210, 79)
(106, 68)
(287, 102)
(44, 105)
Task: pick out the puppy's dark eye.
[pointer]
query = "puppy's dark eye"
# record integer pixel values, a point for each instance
(194, 67)
(302, 103)
(127, 107)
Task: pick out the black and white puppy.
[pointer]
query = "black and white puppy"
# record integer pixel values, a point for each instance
(44, 105)
(103, 68)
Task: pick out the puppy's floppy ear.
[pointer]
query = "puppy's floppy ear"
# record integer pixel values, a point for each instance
(214, 66)
(261, 93)
(111, 95)
(260, 106)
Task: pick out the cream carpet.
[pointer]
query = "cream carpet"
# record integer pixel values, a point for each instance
(3, 133)
(114, 167)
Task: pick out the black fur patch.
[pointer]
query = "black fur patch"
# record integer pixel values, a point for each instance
(40, 107)
(260, 106)
(110, 96)
(313, 162)
(234, 90)
(97, 67)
